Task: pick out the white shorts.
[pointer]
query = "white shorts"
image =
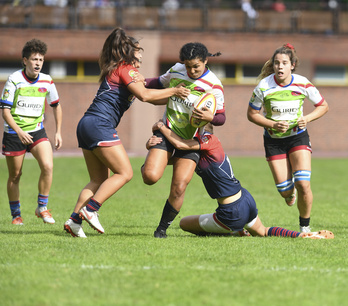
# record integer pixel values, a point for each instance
(210, 224)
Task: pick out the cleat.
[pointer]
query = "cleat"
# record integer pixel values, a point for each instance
(74, 229)
(305, 229)
(17, 220)
(319, 235)
(45, 214)
(290, 201)
(160, 234)
(92, 218)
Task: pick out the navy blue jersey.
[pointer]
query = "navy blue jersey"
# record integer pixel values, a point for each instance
(113, 97)
(215, 169)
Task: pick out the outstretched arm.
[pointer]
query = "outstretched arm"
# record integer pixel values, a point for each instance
(157, 96)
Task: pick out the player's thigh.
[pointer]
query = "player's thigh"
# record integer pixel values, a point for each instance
(14, 165)
(116, 159)
(300, 160)
(281, 170)
(191, 224)
(42, 152)
(156, 161)
(98, 172)
(183, 169)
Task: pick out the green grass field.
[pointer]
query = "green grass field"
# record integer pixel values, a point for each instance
(41, 264)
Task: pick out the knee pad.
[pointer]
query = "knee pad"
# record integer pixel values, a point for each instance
(302, 175)
(286, 185)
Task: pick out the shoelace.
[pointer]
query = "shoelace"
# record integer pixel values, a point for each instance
(46, 213)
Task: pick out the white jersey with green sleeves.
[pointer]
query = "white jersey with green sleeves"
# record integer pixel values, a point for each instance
(26, 99)
(284, 103)
(177, 111)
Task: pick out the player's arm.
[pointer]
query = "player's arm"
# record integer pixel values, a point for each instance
(58, 116)
(153, 83)
(205, 114)
(254, 116)
(24, 137)
(157, 96)
(175, 140)
(318, 112)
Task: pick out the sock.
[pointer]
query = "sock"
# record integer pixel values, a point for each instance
(76, 218)
(279, 231)
(15, 209)
(304, 221)
(93, 205)
(42, 200)
(168, 215)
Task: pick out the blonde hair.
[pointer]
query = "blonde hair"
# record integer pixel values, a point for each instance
(287, 49)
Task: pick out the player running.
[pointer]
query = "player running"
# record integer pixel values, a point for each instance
(288, 150)
(194, 73)
(96, 134)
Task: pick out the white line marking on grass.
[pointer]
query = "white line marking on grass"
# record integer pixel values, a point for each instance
(200, 268)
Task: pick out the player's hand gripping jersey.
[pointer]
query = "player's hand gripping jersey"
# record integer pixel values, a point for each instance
(26, 99)
(113, 97)
(284, 103)
(177, 110)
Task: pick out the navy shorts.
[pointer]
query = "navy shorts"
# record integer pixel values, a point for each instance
(239, 213)
(12, 145)
(167, 146)
(93, 131)
(281, 148)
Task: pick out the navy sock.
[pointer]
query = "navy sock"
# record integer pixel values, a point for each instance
(42, 200)
(76, 218)
(15, 208)
(304, 221)
(279, 231)
(93, 205)
(168, 215)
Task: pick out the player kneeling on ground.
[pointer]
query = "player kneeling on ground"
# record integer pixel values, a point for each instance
(236, 206)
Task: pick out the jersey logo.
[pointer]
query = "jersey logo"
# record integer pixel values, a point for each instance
(200, 89)
(131, 73)
(131, 98)
(295, 93)
(205, 139)
(42, 89)
(6, 94)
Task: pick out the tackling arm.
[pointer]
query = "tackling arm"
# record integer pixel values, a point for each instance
(175, 140)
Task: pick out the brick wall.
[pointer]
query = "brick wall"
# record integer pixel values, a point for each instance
(328, 135)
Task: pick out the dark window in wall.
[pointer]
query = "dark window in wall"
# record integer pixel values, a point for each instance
(8, 67)
(330, 72)
(71, 68)
(251, 71)
(230, 70)
(91, 68)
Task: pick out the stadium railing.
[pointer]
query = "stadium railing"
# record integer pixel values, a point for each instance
(155, 18)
